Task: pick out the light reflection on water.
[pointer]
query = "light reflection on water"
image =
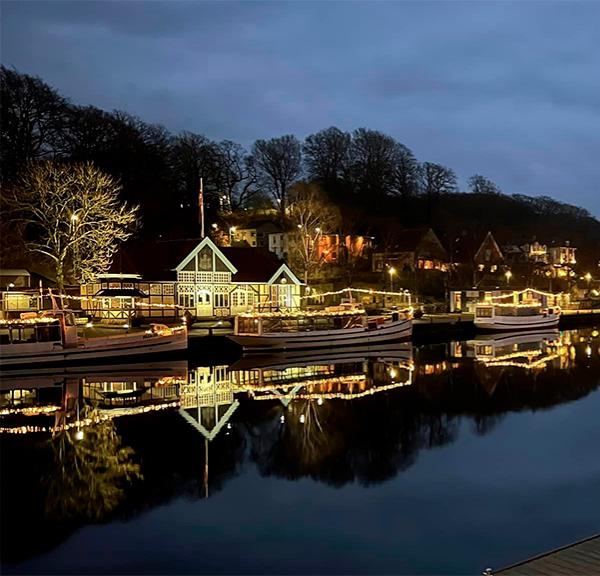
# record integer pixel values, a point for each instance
(445, 458)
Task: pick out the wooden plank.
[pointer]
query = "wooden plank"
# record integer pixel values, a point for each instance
(579, 558)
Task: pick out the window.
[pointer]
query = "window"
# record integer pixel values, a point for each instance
(221, 300)
(155, 289)
(187, 300)
(168, 289)
(238, 298)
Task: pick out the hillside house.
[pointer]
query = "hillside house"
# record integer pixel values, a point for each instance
(414, 249)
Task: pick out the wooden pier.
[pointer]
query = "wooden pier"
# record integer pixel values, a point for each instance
(580, 558)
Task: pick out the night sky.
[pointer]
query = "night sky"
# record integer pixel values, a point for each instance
(507, 90)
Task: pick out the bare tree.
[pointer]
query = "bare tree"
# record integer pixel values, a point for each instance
(313, 218)
(438, 179)
(406, 172)
(372, 163)
(278, 164)
(32, 115)
(73, 216)
(236, 175)
(326, 156)
(481, 185)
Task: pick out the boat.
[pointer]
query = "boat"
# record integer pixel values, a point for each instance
(39, 338)
(343, 325)
(526, 310)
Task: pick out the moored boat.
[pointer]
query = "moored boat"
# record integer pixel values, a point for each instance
(51, 337)
(525, 310)
(344, 325)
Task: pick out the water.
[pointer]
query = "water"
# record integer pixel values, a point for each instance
(443, 459)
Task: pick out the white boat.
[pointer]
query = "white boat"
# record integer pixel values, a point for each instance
(344, 325)
(528, 309)
(51, 336)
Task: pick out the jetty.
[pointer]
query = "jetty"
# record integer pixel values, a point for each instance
(581, 557)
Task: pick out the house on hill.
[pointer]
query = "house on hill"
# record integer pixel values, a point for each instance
(489, 256)
(255, 235)
(166, 278)
(413, 249)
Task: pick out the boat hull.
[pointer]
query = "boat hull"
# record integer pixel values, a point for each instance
(512, 323)
(91, 350)
(325, 338)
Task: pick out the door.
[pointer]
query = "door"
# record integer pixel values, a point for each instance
(204, 303)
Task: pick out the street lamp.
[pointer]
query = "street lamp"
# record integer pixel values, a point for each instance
(588, 278)
(508, 275)
(391, 272)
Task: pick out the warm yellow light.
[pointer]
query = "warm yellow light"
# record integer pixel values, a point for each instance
(391, 270)
(508, 274)
(588, 276)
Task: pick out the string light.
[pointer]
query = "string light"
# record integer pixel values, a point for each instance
(97, 419)
(21, 321)
(30, 410)
(318, 396)
(519, 292)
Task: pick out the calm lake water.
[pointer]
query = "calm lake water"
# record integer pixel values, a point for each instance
(443, 459)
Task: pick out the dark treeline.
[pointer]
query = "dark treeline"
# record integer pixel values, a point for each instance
(377, 182)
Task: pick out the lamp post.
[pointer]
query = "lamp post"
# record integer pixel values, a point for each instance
(231, 233)
(588, 278)
(391, 272)
(508, 275)
(74, 220)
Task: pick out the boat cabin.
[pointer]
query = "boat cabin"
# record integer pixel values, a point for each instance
(32, 328)
(307, 321)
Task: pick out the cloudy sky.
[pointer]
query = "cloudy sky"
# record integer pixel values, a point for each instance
(508, 90)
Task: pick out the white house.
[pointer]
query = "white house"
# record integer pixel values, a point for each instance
(166, 278)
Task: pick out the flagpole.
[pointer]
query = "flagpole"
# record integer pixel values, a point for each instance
(201, 206)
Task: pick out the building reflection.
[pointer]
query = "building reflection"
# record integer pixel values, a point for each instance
(120, 440)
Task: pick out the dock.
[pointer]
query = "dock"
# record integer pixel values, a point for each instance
(582, 557)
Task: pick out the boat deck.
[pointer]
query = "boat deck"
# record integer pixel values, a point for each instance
(580, 558)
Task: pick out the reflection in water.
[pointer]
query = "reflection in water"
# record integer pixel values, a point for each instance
(109, 442)
(89, 472)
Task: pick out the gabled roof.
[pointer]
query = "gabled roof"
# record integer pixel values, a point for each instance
(408, 240)
(158, 260)
(252, 264)
(152, 260)
(200, 244)
(489, 240)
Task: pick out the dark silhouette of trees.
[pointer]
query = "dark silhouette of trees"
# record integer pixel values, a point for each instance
(278, 164)
(481, 185)
(375, 181)
(327, 158)
(438, 179)
(406, 174)
(372, 163)
(235, 176)
(32, 115)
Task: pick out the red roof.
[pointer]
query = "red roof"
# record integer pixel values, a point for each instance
(157, 260)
